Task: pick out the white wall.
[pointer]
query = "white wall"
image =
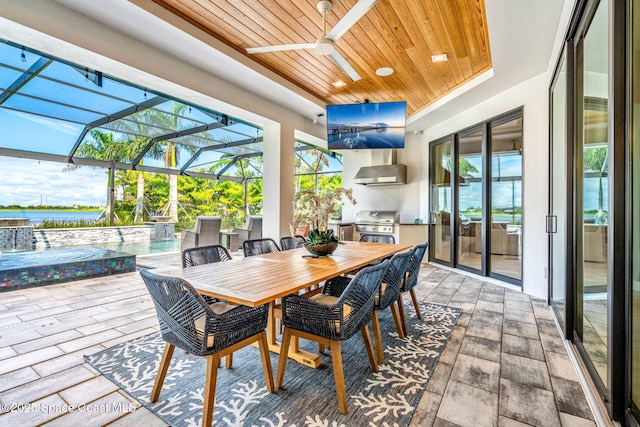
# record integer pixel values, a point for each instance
(402, 198)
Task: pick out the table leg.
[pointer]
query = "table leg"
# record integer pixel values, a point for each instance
(302, 356)
(271, 324)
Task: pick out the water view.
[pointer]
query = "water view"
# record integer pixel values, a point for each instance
(36, 217)
(362, 139)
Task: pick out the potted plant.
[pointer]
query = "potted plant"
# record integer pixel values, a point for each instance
(314, 210)
(321, 243)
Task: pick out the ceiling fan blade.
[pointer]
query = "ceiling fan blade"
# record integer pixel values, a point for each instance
(280, 47)
(344, 65)
(352, 16)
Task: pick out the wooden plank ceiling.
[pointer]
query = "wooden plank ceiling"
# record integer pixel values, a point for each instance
(402, 34)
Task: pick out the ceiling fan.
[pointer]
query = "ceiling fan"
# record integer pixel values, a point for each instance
(324, 45)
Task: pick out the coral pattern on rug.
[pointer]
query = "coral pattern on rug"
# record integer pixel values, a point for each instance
(386, 398)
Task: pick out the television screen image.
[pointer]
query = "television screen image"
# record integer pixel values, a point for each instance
(366, 126)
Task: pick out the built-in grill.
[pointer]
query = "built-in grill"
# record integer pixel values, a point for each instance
(377, 222)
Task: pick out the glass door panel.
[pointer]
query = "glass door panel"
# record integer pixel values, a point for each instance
(558, 208)
(635, 210)
(470, 189)
(592, 194)
(440, 203)
(505, 226)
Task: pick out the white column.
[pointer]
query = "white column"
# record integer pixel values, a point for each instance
(277, 187)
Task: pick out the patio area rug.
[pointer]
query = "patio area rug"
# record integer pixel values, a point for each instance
(308, 398)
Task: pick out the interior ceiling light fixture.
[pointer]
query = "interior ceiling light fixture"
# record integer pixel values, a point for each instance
(439, 58)
(324, 45)
(384, 71)
(339, 83)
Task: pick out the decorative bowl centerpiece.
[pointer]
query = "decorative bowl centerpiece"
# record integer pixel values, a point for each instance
(321, 243)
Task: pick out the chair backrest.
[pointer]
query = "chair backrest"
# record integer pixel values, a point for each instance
(208, 230)
(254, 225)
(393, 278)
(178, 305)
(259, 247)
(360, 295)
(377, 238)
(413, 268)
(204, 255)
(288, 242)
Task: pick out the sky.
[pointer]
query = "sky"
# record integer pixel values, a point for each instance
(31, 182)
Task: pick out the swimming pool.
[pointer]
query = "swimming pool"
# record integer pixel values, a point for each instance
(19, 270)
(143, 248)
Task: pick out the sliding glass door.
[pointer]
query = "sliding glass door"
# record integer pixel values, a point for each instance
(440, 202)
(558, 202)
(594, 207)
(470, 199)
(634, 364)
(506, 199)
(591, 192)
(482, 207)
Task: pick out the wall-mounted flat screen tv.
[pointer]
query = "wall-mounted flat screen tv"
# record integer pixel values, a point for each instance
(366, 126)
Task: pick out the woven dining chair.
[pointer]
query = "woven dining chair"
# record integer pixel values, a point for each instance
(259, 247)
(330, 320)
(410, 281)
(387, 296)
(377, 238)
(204, 255)
(287, 243)
(211, 331)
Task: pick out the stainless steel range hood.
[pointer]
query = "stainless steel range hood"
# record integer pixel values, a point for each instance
(388, 173)
(382, 175)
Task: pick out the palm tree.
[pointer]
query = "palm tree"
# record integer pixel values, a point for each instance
(102, 146)
(170, 150)
(94, 148)
(311, 160)
(244, 169)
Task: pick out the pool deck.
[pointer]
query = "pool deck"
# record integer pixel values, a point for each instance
(504, 365)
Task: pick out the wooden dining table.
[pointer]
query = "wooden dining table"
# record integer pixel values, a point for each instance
(263, 279)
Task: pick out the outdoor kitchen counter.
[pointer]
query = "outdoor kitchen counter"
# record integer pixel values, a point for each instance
(413, 234)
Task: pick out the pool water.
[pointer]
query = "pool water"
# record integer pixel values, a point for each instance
(11, 260)
(143, 248)
(131, 248)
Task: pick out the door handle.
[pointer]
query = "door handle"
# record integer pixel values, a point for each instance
(552, 224)
(432, 217)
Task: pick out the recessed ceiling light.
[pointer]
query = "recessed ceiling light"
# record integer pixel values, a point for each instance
(439, 58)
(339, 83)
(384, 71)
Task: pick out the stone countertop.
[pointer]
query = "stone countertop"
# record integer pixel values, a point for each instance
(411, 223)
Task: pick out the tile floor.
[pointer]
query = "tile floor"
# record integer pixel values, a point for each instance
(505, 364)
